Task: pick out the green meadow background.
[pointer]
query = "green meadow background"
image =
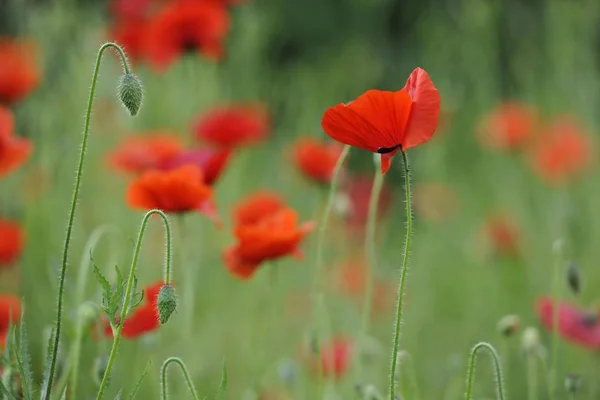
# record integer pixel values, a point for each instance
(300, 58)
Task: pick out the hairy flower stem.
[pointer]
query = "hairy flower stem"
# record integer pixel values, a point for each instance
(317, 289)
(401, 286)
(65, 257)
(555, 317)
(128, 291)
(84, 268)
(186, 376)
(497, 370)
(532, 378)
(371, 256)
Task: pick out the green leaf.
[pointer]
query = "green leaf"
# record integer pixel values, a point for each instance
(138, 383)
(49, 351)
(224, 381)
(4, 391)
(106, 290)
(24, 359)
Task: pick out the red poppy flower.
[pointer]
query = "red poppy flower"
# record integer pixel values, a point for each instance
(19, 74)
(186, 26)
(336, 357)
(263, 233)
(212, 162)
(509, 126)
(574, 325)
(131, 35)
(12, 240)
(175, 191)
(316, 159)
(562, 152)
(233, 126)
(257, 207)
(14, 151)
(385, 122)
(131, 9)
(10, 314)
(503, 235)
(143, 153)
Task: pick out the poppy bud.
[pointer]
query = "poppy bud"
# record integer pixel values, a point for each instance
(370, 392)
(572, 383)
(508, 325)
(530, 341)
(167, 303)
(131, 93)
(88, 312)
(288, 371)
(574, 277)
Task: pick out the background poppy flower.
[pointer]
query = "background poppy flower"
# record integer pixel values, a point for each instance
(233, 126)
(12, 240)
(175, 191)
(509, 126)
(14, 151)
(132, 10)
(574, 325)
(335, 358)
(385, 122)
(503, 235)
(131, 35)
(19, 73)
(181, 27)
(10, 314)
(562, 152)
(212, 162)
(316, 159)
(257, 206)
(141, 153)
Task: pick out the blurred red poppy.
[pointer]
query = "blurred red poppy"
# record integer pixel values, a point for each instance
(130, 34)
(563, 151)
(212, 162)
(19, 72)
(577, 326)
(509, 126)
(10, 314)
(175, 191)
(264, 233)
(182, 27)
(233, 126)
(257, 206)
(385, 122)
(335, 359)
(12, 240)
(502, 233)
(14, 151)
(132, 10)
(139, 154)
(316, 159)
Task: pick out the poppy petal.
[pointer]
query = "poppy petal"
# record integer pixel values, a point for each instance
(425, 109)
(343, 124)
(386, 162)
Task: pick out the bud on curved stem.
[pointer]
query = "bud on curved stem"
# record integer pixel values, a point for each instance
(186, 376)
(497, 369)
(128, 291)
(47, 389)
(131, 93)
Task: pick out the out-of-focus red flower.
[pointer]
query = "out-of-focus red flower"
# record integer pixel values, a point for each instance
(509, 126)
(265, 231)
(10, 313)
(434, 202)
(562, 152)
(181, 27)
(139, 154)
(503, 235)
(132, 10)
(14, 151)
(19, 72)
(131, 35)
(316, 159)
(212, 162)
(335, 360)
(144, 318)
(574, 325)
(12, 240)
(233, 126)
(175, 191)
(385, 122)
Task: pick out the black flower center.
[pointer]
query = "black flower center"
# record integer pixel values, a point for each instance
(385, 150)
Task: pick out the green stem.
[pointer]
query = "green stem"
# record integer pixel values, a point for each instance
(555, 318)
(497, 370)
(128, 295)
(371, 256)
(317, 289)
(47, 391)
(186, 376)
(84, 267)
(532, 378)
(401, 286)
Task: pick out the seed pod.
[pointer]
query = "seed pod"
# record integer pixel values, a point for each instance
(167, 303)
(574, 277)
(530, 341)
(131, 92)
(509, 325)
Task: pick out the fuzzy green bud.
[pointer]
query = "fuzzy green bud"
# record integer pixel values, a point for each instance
(574, 278)
(167, 303)
(572, 383)
(131, 92)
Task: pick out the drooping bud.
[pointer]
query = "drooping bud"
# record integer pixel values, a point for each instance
(574, 277)
(530, 341)
(509, 325)
(167, 303)
(572, 383)
(131, 93)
